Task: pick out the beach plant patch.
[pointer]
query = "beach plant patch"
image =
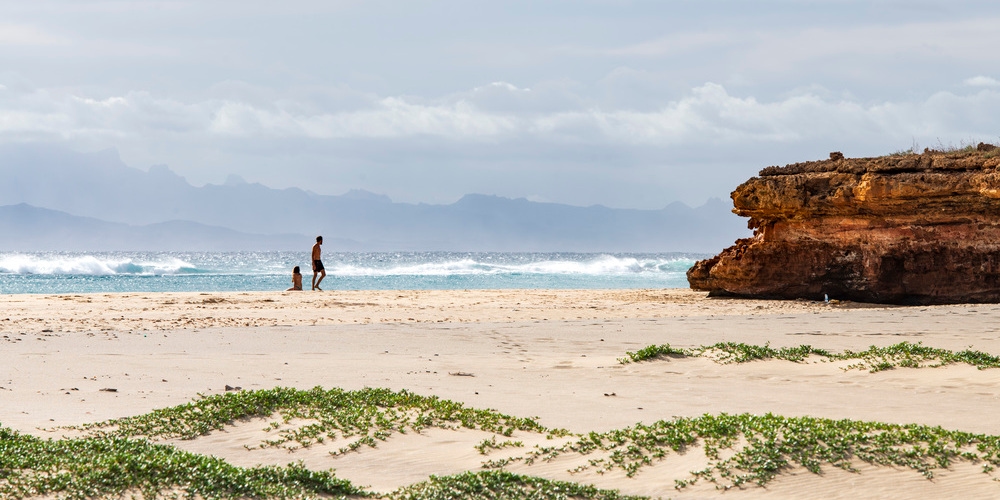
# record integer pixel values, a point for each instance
(654, 352)
(359, 418)
(873, 359)
(110, 467)
(753, 449)
(88, 468)
(502, 485)
(916, 355)
(492, 444)
(119, 458)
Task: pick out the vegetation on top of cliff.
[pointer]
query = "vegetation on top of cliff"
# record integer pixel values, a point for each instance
(873, 359)
(966, 156)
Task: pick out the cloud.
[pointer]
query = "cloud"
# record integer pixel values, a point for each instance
(26, 35)
(494, 138)
(982, 81)
(887, 54)
(391, 117)
(608, 99)
(968, 39)
(708, 114)
(782, 46)
(658, 47)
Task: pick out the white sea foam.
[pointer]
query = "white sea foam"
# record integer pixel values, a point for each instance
(50, 272)
(89, 265)
(598, 266)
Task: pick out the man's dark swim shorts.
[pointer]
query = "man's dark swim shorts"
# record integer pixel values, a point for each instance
(319, 265)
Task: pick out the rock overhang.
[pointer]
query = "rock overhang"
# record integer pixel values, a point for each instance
(907, 228)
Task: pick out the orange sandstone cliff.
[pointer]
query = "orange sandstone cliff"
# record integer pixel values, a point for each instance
(904, 229)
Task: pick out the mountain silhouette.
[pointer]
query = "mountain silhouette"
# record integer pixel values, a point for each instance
(159, 206)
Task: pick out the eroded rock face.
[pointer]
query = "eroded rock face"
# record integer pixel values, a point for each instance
(905, 229)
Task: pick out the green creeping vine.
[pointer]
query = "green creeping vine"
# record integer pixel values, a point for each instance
(502, 485)
(726, 352)
(112, 467)
(88, 468)
(654, 352)
(757, 448)
(116, 458)
(367, 415)
(873, 359)
(492, 443)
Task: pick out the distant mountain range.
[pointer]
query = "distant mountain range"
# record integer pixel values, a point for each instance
(27, 228)
(56, 199)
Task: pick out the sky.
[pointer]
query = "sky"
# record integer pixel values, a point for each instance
(627, 104)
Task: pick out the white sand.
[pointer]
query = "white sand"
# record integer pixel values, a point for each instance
(550, 354)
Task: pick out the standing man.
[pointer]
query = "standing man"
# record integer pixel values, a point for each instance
(318, 268)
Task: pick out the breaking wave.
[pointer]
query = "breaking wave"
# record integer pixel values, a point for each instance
(602, 265)
(52, 272)
(91, 265)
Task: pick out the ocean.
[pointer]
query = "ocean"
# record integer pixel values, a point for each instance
(113, 272)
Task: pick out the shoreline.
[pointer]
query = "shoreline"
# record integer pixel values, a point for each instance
(132, 311)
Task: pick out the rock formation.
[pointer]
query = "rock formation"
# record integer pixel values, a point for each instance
(904, 229)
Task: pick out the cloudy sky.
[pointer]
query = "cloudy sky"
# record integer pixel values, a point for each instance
(630, 104)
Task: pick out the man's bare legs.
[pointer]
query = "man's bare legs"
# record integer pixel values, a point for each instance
(322, 274)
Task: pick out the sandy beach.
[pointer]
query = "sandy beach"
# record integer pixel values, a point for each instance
(551, 354)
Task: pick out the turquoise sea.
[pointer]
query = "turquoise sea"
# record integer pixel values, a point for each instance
(47, 272)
